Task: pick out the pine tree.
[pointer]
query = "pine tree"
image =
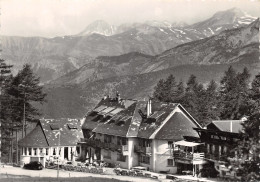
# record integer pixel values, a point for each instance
(180, 93)
(170, 89)
(25, 90)
(211, 102)
(5, 72)
(159, 90)
(249, 147)
(166, 90)
(234, 94)
(190, 99)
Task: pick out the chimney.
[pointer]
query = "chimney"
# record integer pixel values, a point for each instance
(149, 107)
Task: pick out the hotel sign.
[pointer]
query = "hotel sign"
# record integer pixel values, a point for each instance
(182, 161)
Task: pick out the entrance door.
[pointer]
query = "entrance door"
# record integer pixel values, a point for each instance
(66, 153)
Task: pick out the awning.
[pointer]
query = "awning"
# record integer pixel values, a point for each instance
(186, 143)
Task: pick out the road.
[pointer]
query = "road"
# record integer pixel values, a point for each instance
(53, 173)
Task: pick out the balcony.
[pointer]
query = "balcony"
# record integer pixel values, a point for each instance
(188, 158)
(104, 145)
(143, 150)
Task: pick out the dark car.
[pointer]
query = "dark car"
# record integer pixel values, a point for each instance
(34, 165)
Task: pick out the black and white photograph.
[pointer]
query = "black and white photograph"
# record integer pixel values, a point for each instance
(129, 91)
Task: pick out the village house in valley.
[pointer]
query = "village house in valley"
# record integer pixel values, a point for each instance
(213, 147)
(151, 135)
(51, 139)
(133, 133)
(220, 138)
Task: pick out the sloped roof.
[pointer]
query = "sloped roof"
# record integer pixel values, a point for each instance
(43, 134)
(68, 137)
(177, 127)
(136, 120)
(129, 121)
(150, 125)
(233, 126)
(97, 118)
(113, 127)
(35, 138)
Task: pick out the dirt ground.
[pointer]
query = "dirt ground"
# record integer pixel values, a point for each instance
(12, 172)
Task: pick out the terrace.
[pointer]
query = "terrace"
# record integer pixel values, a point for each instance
(189, 152)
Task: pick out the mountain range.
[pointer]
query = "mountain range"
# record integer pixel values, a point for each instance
(135, 74)
(77, 70)
(52, 58)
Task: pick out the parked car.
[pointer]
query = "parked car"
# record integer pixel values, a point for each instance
(34, 165)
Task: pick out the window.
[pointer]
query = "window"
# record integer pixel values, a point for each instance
(120, 157)
(47, 151)
(78, 149)
(144, 142)
(107, 154)
(144, 159)
(25, 151)
(108, 139)
(34, 151)
(54, 151)
(121, 141)
(170, 144)
(30, 151)
(170, 162)
(40, 150)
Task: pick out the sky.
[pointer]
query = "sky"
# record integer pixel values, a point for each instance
(50, 18)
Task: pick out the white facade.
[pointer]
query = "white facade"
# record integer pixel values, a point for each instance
(67, 153)
(160, 157)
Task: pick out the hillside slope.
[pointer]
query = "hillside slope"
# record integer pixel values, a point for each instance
(74, 94)
(230, 46)
(54, 57)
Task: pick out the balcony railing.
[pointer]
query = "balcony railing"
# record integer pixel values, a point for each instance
(125, 150)
(144, 150)
(188, 156)
(108, 146)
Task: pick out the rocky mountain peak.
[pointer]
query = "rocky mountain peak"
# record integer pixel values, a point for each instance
(99, 27)
(229, 16)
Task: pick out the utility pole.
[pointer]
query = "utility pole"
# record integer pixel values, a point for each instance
(23, 132)
(58, 133)
(58, 156)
